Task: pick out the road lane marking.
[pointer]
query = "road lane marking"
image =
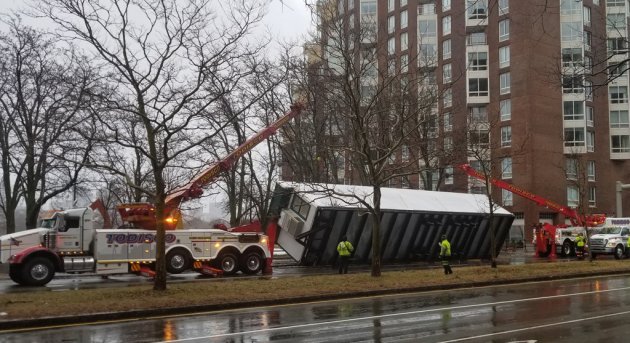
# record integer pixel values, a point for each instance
(537, 327)
(389, 315)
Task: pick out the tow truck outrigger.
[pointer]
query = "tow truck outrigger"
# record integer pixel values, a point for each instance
(549, 237)
(77, 241)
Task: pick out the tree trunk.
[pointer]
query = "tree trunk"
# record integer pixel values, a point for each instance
(9, 217)
(376, 235)
(32, 214)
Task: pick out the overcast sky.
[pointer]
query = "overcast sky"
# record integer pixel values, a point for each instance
(287, 20)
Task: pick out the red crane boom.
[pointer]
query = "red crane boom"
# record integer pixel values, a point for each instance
(574, 217)
(143, 214)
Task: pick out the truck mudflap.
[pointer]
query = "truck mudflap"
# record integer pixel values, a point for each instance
(206, 269)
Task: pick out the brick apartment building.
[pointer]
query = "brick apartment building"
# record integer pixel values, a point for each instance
(545, 73)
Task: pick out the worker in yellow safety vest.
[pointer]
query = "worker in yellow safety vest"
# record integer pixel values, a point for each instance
(445, 255)
(579, 244)
(345, 249)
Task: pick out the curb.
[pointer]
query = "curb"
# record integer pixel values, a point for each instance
(146, 314)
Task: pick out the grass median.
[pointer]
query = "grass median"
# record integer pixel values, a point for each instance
(237, 292)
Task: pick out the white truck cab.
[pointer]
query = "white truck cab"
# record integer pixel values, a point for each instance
(612, 238)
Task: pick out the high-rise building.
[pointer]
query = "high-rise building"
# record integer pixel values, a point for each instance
(547, 77)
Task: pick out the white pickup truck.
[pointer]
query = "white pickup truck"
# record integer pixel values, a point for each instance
(612, 238)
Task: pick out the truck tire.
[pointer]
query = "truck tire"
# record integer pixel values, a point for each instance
(251, 262)
(228, 263)
(619, 252)
(567, 248)
(177, 261)
(15, 273)
(37, 271)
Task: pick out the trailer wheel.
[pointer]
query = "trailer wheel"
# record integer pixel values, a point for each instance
(15, 273)
(177, 261)
(37, 271)
(619, 252)
(228, 263)
(567, 248)
(251, 262)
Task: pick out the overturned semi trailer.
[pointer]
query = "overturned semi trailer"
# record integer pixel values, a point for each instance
(313, 220)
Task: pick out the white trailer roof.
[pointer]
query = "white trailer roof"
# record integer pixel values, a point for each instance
(323, 195)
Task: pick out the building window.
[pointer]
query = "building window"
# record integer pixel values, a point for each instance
(391, 24)
(571, 31)
(573, 198)
(590, 170)
(446, 49)
(446, 25)
(447, 99)
(617, 46)
(590, 141)
(505, 108)
(572, 84)
(478, 114)
(615, 3)
(477, 9)
(616, 69)
(504, 30)
(570, 7)
(404, 41)
(479, 137)
(427, 28)
(620, 143)
(404, 19)
(574, 136)
(341, 6)
(504, 83)
(404, 63)
(368, 7)
(428, 53)
(506, 168)
(506, 136)
(478, 60)
(591, 197)
(590, 115)
(476, 38)
(478, 87)
(448, 143)
(504, 7)
(587, 16)
(587, 40)
(616, 22)
(300, 206)
(618, 94)
(446, 5)
(619, 119)
(424, 9)
(571, 57)
(403, 3)
(504, 56)
(405, 153)
(446, 73)
(448, 175)
(507, 198)
(390, 5)
(350, 4)
(391, 46)
(573, 110)
(448, 124)
(571, 165)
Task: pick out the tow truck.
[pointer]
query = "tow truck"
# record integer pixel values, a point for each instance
(549, 239)
(79, 240)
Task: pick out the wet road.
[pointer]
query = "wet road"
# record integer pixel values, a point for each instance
(589, 310)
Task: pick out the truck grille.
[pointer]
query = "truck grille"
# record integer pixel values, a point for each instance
(597, 243)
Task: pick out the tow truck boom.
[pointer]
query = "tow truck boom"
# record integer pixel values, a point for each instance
(143, 214)
(571, 214)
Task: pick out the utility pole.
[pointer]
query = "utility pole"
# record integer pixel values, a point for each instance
(620, 187)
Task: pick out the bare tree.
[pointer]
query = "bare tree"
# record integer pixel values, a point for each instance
(170, 64)
(44, 98)
(367, 108)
